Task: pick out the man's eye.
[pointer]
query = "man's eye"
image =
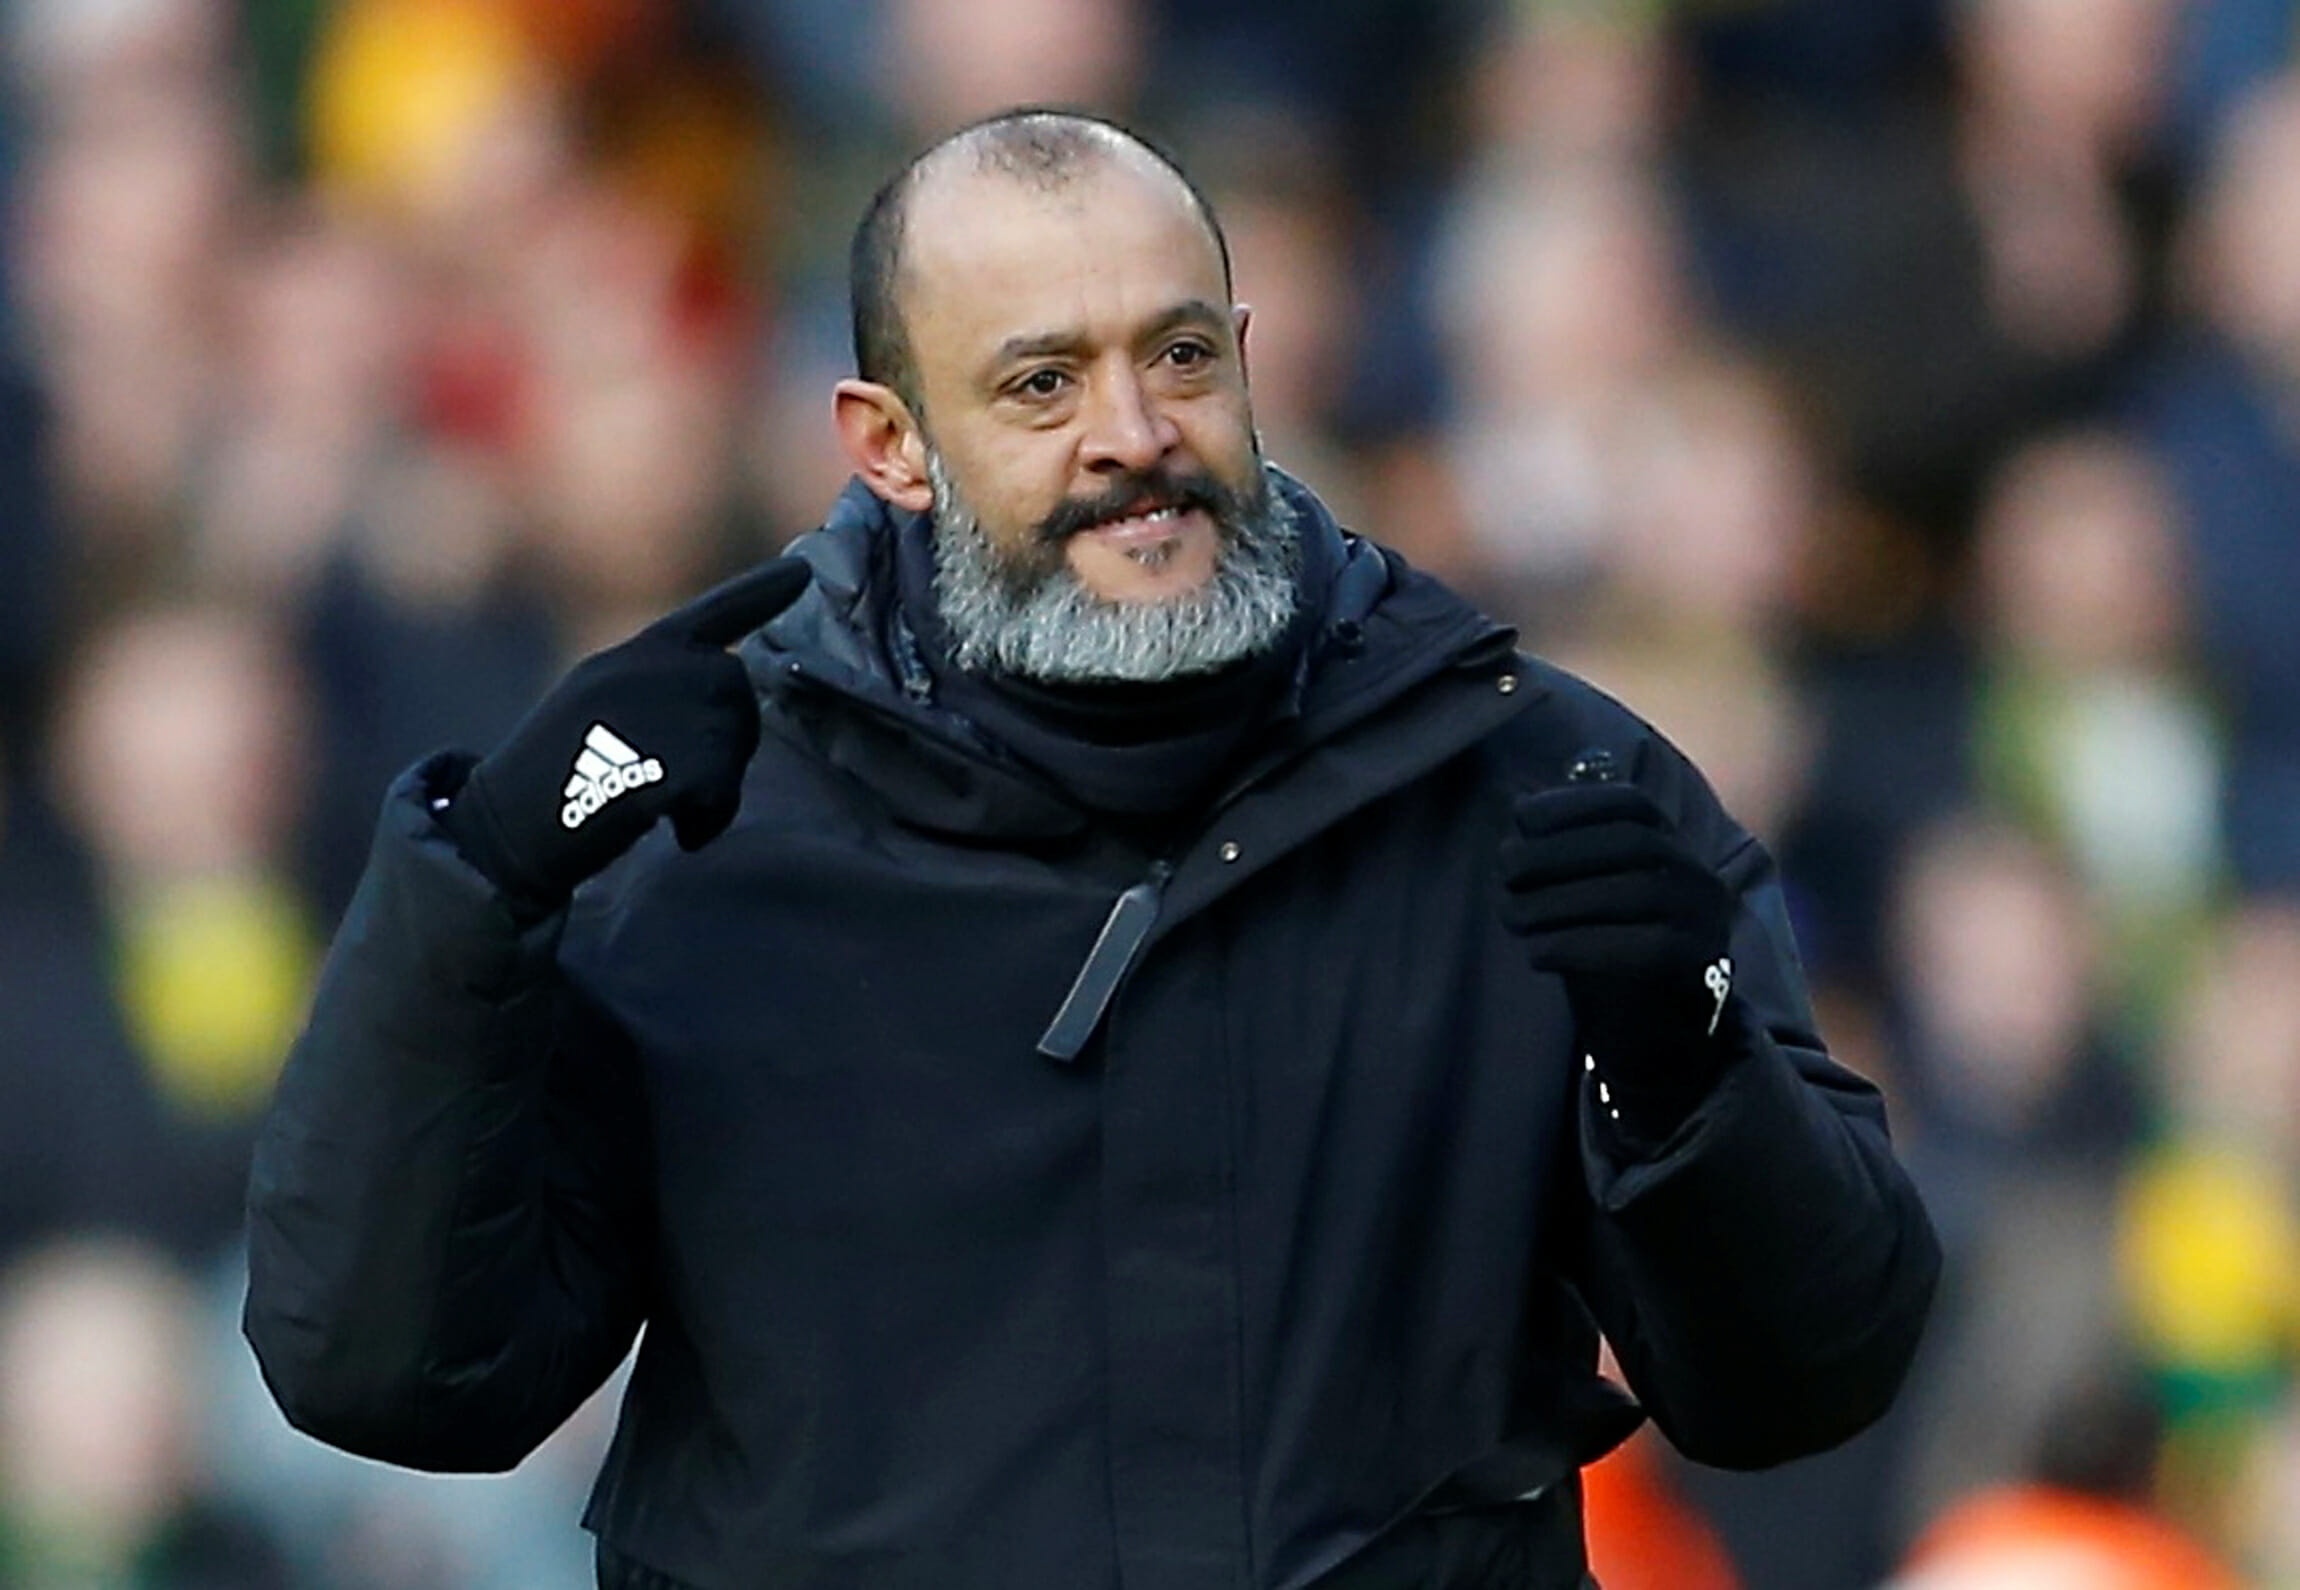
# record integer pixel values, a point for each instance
(1188, 355)
(1042, 383)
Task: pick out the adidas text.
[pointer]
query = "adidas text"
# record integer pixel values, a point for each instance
(606, 767)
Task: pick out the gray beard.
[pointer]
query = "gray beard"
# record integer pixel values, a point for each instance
(1028, 615)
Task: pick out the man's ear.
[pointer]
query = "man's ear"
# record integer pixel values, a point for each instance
(883, 442)
(1241, 315)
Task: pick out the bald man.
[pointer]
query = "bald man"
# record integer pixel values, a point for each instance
(1149, 1050)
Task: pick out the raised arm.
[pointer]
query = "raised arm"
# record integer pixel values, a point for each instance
(448, 1209)
(447, 1212)
(1760, 1262)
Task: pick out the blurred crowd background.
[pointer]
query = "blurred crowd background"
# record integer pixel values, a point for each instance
(1897, 401)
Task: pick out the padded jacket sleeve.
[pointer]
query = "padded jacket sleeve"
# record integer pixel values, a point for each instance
(448, 1201)
(1765, 1274)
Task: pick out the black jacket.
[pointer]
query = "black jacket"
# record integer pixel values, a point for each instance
(1254, 1234)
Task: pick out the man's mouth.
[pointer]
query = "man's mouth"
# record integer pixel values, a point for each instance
(1147, 536)
(1146, 520)
(1153, 506)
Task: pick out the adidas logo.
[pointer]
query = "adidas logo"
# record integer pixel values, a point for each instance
(1717, 977)
(605, 768)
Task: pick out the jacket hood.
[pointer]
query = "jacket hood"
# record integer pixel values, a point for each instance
(846, 671)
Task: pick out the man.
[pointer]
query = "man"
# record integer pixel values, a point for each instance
(1151, 1050)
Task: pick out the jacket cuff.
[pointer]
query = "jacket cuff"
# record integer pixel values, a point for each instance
(1763, 1138)
(1634, 1117)
(489, 945)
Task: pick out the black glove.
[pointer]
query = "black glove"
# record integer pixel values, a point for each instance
(661, 725)
(1607, 896)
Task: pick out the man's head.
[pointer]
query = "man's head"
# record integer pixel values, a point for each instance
(1049, 360)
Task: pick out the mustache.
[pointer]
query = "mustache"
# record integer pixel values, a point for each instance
(1137, 493)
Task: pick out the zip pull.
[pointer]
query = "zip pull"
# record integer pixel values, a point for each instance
(1106, 965)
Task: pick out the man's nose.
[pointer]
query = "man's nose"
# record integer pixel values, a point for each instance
(1125, 429)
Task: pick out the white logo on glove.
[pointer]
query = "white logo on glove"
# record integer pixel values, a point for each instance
(1718, 979)
(606, 767)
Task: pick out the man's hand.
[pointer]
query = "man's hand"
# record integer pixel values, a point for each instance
(661, 725)
(1606, 895)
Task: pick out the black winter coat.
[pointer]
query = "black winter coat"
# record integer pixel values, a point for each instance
(1256, 1234)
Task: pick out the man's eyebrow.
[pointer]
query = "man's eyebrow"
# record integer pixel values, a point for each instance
(1189, 312)
(1037, 345)
(1048, 344)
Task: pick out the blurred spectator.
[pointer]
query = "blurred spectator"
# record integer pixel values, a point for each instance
(438, 112)
(1562, 298)
(180, 767)
(317, 366)
(2092, 719)
(99, 1434)
(2023, 1111)
(1576, 84)
(2061, 106)
(133, 185)
(1722, 500)
(2218, 409)
(2209, 1231)
(612, 381)
(1958, 254)
(2085, 1521)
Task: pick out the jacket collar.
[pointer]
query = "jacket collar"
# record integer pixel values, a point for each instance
(846, 673)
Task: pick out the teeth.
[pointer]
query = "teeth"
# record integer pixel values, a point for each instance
(1154, 516)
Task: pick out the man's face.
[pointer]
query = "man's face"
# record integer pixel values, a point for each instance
(1081, 375)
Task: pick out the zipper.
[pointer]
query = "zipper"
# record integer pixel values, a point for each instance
(1132, 915)
(1123, 934)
